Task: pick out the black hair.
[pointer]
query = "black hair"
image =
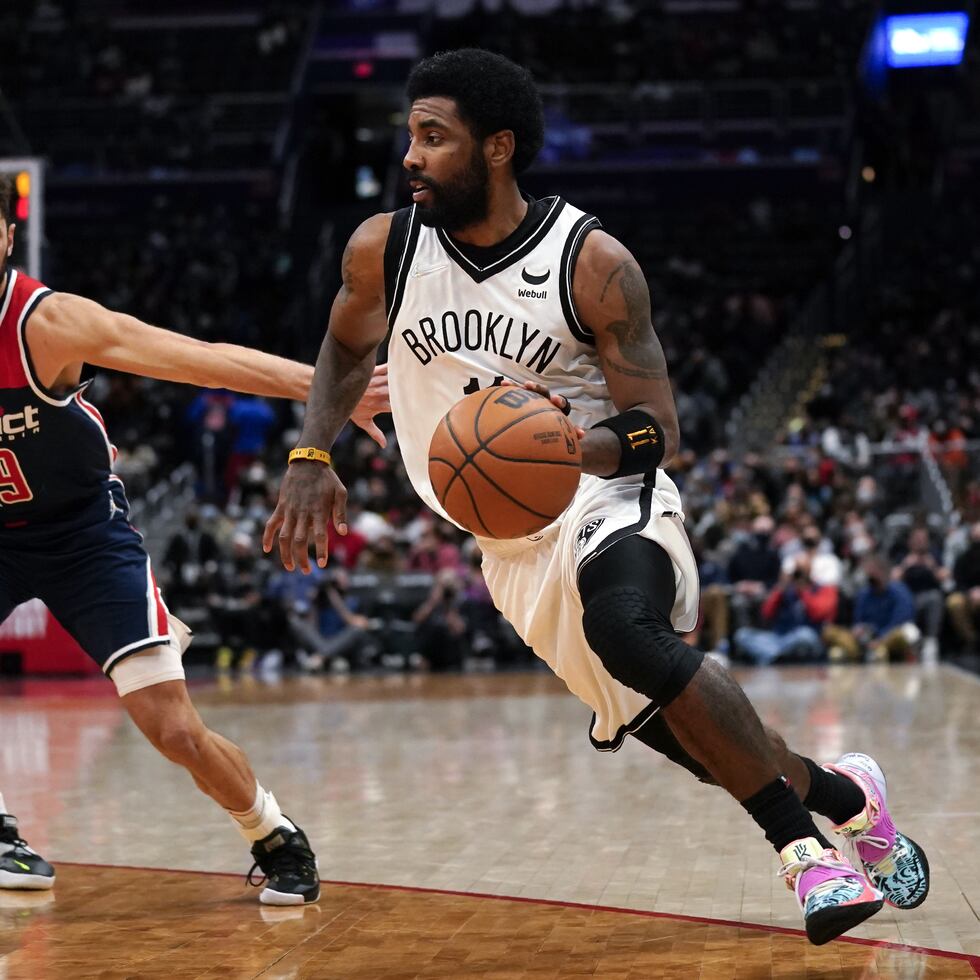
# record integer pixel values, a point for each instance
(491, 92)
(6, 197)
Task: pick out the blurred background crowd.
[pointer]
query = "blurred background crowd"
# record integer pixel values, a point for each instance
(804, 215)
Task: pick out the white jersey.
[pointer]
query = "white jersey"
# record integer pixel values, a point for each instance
(458, 326)
(462, 319)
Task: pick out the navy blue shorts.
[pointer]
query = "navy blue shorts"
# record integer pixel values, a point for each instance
(93, 573)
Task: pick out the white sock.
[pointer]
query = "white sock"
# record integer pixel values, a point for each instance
(262, 818)
(3, 806)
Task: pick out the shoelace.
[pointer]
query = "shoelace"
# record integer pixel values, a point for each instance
(852, 840)
(15, 843)
(286, 859)
(791, 872)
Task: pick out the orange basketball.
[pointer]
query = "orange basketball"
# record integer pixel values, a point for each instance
(504, 462)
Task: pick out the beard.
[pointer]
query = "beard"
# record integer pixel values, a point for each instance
(460, 202)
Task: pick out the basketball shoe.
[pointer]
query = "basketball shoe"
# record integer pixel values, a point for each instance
(894, 863)
(833, 896)
(289, 868)
(21, 867)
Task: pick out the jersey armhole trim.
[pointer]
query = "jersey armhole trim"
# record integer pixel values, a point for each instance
(569, 256)
(396, 276)
(8, 293)
(27, 363)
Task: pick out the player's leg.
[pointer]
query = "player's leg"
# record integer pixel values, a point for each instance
(628, 594)
(852, 793)
(165, 714)
(20, 865)
(101, 589)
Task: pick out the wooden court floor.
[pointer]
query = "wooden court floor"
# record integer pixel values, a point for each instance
(466, 828)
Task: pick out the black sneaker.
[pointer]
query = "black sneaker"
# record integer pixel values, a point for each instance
(20, 867)
(289, 868)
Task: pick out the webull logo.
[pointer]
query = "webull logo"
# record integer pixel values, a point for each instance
(16, 424)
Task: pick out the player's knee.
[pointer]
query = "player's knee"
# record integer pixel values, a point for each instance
(638, 645)
(179, 740)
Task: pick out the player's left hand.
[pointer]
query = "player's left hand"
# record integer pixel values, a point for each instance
(376, 401)
(559, 401)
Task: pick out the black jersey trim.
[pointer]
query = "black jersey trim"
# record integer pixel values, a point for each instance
(401, 221)
(140, 646)
(566, 272)
(401, 273)
(42, 391)
(646, 508)
(8, 292)
(615, 743)
(481, 274)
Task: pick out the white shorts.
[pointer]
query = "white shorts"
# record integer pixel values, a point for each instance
(534, 583)
(156, 665)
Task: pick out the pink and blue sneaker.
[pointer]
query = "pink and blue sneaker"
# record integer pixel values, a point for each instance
(833, 895)
(893, 863)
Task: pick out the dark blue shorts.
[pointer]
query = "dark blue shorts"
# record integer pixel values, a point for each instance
(93, 573)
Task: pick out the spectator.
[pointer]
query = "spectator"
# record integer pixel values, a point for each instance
(825, 567)
(884, 619)
(922, 571)
(345, 549)
(436, 549)
(234, 597)
(794, 613)
(441, 628)
(189, 551)
(250, 418)
(713, 627)
(483, 624)
(964, 603)
(332, 628)
(753, 570)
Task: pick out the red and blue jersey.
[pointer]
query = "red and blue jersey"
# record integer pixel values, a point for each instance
(55, 455)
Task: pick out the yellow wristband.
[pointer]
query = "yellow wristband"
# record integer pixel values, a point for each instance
(309, 452)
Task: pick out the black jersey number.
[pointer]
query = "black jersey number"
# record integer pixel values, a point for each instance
(474, 384)
(13, 483)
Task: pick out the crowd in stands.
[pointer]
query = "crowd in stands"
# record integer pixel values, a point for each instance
(790, 546)
(121, 88)
(814, 552)
(800, 560)
(651, 40)
(806, 561)
(910, 375)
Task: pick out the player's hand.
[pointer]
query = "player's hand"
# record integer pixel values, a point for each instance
(375, 401)
(559, 401)
(311, 494)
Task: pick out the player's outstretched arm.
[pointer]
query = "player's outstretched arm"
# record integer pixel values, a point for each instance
(66, 329)
(612, 298)
(311, 492)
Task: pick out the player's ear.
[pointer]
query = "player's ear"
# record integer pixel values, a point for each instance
(499, 148)
(10, 239)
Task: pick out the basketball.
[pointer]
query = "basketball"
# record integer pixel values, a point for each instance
(504, 462)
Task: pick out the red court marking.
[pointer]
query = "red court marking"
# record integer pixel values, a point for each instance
(971, 958)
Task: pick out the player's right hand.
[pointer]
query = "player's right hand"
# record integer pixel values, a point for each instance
(311, 494)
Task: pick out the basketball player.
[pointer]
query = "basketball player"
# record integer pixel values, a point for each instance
(477, 283)
(65, 538)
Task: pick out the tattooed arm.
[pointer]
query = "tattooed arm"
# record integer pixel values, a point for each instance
(311, 493)
(612, 298)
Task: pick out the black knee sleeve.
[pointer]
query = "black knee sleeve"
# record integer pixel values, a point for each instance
(636, 645)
